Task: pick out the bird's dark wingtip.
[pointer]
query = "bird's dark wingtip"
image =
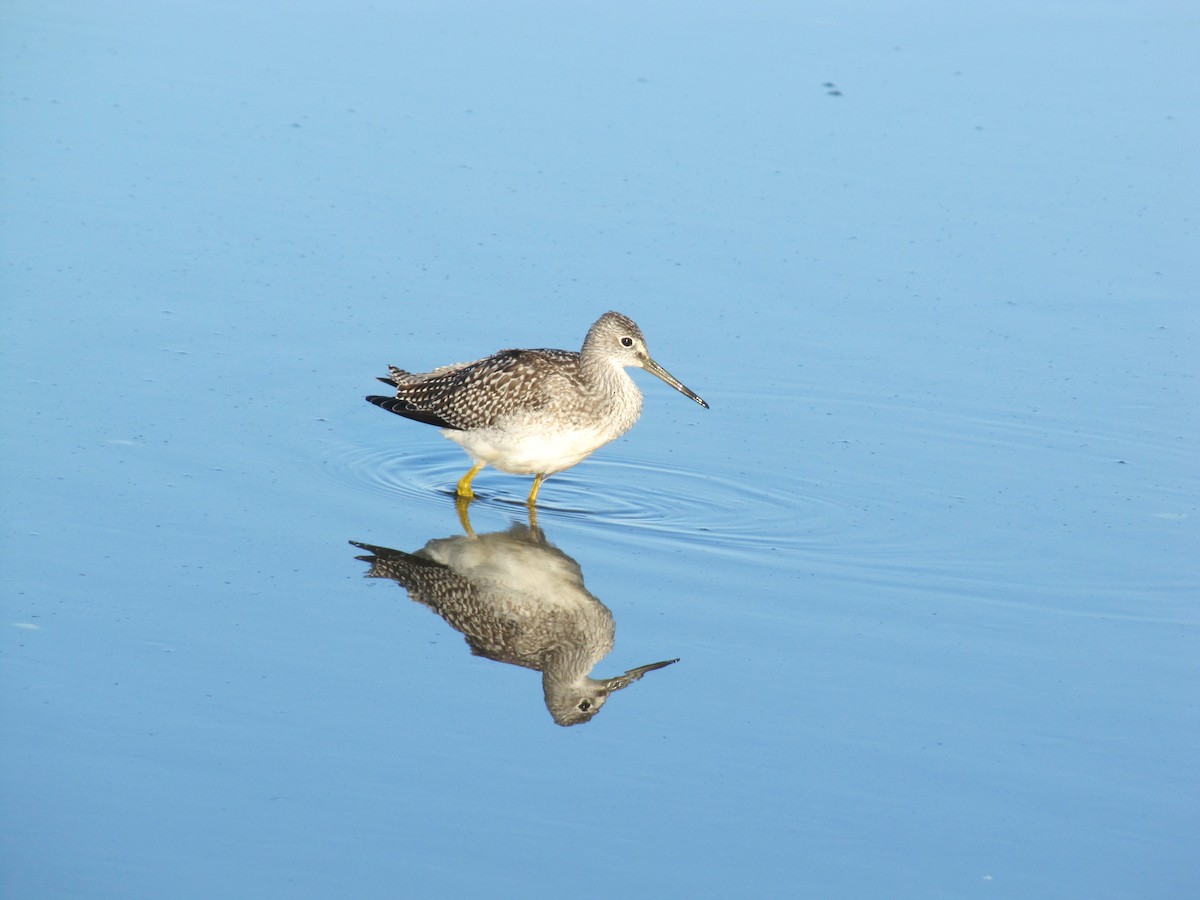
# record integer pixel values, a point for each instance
(404, 408)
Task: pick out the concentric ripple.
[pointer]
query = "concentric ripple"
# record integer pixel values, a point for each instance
(689, 505)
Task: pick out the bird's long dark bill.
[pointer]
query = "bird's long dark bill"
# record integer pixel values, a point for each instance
(655, 369)
(623, 681)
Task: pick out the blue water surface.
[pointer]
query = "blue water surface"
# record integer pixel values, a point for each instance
(929, 563)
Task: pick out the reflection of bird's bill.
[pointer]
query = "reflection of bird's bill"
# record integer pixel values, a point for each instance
(622, 681)
(655, 369)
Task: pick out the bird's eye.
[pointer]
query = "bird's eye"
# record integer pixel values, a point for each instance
(626, 342)
(585, 705)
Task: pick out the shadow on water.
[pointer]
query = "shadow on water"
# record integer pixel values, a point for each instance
(517, 599)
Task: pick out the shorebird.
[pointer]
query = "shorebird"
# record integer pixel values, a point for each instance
(533, 412)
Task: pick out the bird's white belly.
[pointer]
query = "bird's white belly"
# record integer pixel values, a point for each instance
(529, 452)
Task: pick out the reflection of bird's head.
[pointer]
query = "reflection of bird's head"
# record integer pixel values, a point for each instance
(576, 702)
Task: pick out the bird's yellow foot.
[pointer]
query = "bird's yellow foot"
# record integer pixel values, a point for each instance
(464, 484)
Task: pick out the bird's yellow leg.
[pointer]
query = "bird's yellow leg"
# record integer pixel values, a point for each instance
(537, 486)
(464, 483)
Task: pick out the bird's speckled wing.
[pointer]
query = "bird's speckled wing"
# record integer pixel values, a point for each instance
(479, 394)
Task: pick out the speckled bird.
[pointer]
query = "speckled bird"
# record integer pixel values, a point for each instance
(533, 412)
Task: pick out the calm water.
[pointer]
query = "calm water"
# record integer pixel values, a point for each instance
(928, 563)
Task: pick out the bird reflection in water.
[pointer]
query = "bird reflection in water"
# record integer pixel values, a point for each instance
(517, 599)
